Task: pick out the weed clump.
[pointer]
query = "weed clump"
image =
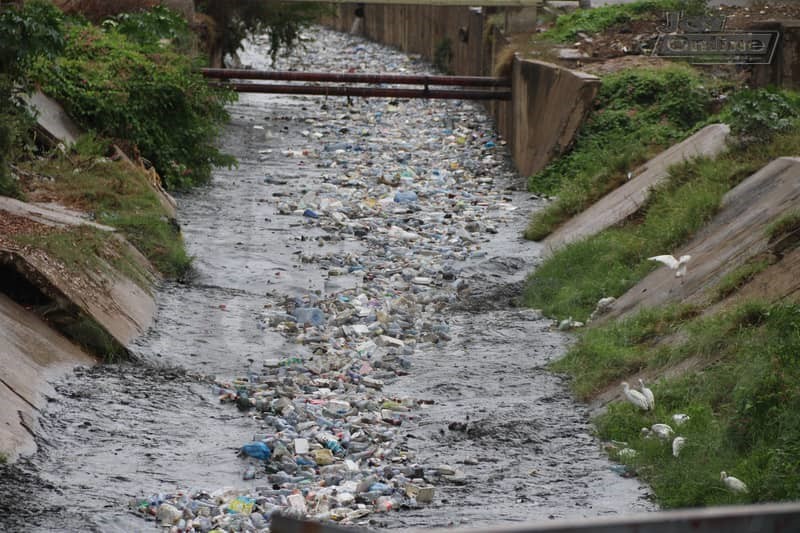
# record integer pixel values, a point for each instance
(567, 27)
(638, 113)
(123, 82)
(757, 115)
(743, 406)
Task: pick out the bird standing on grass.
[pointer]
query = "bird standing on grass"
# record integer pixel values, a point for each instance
(733, 484)
(648, 394)
(635, 397)
(678, 265)
(677, 445)
(662, 431)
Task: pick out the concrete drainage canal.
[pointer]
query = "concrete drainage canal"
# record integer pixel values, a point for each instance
(352, 306)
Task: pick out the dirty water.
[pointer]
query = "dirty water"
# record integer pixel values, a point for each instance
(119, 432)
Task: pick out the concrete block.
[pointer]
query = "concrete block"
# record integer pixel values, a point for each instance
(52, 119)
(113, 300)
(736, 234)
(520, 19)
(784, 70)
(624, 201)
(550, 104)
(32, 355)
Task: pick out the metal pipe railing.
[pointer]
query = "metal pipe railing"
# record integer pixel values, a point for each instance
(350, 77)
(367, 92)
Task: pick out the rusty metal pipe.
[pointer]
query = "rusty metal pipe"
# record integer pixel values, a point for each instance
(347, 77)
(368, 92)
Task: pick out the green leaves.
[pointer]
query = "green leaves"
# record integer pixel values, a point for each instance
(757, 115)
(138, 92)
(26, 33)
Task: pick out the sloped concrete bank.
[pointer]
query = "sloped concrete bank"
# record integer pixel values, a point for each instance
(42, 298)
(32, 354)
(549, 103)
(737, 234)
(627, 199)
(43, 301)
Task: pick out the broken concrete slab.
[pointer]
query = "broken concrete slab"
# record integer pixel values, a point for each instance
(626, 200)
(52, 215)
(52, 120)
(735, 235)
(110, 298)
(32, 354)
(550, 104)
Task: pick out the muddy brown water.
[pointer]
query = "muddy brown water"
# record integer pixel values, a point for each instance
(117, 432)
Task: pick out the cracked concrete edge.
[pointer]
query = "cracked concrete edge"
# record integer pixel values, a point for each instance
(736, 234)
(626, 200)
(32, 353)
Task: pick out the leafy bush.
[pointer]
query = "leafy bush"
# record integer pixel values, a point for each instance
(239, 19)
(152, 28)
(31, 31)
(743, 401)
(638, 113)
(148, 100)
(601, 18)
(757, 115)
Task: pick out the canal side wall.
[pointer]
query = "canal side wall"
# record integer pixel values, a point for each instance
(549, 103)
(41, 296)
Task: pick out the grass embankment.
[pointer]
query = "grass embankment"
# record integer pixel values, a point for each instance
(120, 196)
(638, 113)
(736, 373)
(742, 393)
(567, 27)
(572, 281)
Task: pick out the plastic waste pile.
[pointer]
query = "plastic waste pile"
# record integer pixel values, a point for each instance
(414, 183)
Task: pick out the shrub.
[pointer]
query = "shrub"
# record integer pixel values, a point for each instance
(638, 113)
(34, 30)
(150, 100)
(152, 28)
(601, 18)
(757, 115)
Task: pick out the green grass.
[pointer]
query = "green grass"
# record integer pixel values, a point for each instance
(638, 113)
(598, 19)
(607, 354)
(87, 249)
(744, 402)
(787, 223)
(741, 275)
(119, 196)
(92, 337)
(571, 281)
(81, 250)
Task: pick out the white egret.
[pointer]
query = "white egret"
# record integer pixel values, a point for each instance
(648, 394)
(662, 431)
(734, 484)
(627, 453)
(678, 265)
(680, 419)
(635, 397)
(677, 444)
